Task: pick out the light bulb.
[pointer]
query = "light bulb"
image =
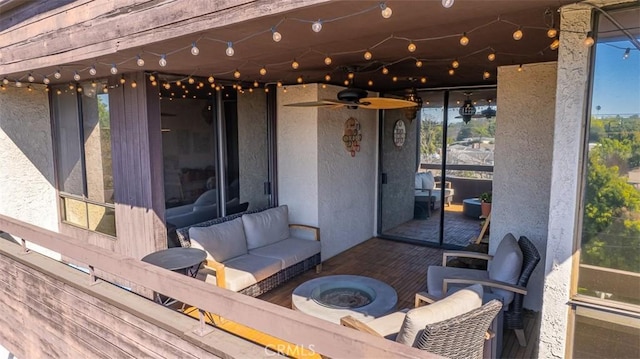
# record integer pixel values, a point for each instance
(451, 72)
(327, 61)
(263, 71)
(520, 68)
(71, 87)
(58, 75)
(255, 84)
(191, 81)
(327, 77)
(386, 11)
(94, 84)
(423, 80)
(163, 61)
(154, 83)
(134, 84)
(295, 65)
(179, 83)
(18, 84)
(113, 70)
(58, 92)
(211, 79)
(418, 63)
(351, 75)
(491, 56)
(200, 84)
(394, 79)
(385, 71)
(195, 51)
(455, 64)
(588, 41)
(517, 35)
(5, 81)
(316, 26)
(411, 47)
(346, 82)
(229, 51)
(551, 33)
(105, 89)
(266, 90)
(275, 35)
(29, 88)
(3, 88)
(486, 75)
(122, 80)
(236, 74)
(299, 79)
(152, 78)
(555, 44)
(464, 40)
(367, 55)
(92, 71)
(279, 84)
(46, 81)
(139, 61)
(370, 83)
(447, 3)
(30, 78)
(76, 76)
(627, 52)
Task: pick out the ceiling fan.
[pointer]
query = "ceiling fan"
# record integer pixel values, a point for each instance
(357, 98)
(468, 111)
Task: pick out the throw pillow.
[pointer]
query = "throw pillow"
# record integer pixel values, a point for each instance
(506, 265)
(455, 304)
(221, 241)
(266, 227)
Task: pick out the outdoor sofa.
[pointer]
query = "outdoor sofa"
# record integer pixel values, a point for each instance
(253, 252)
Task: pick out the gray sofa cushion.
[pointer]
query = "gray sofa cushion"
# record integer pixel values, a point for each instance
(506, 265)
(436, 274)
(266, 227)
(290, 251)
(248, 269)
(221, 241)
(456, 304)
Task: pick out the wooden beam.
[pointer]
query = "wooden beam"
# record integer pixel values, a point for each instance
(98, 28)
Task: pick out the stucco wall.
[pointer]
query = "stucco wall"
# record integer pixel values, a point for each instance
(297, 152)
(252, 144)
(573, 74)
(319, 180)
(523, 157)
(346, 185)
(27, 184)
(399, 163)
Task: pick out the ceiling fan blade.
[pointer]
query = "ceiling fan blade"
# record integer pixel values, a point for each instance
(384, 103)
(321, 103)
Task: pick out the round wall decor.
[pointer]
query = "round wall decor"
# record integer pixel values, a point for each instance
(399, 133)
(352, 136)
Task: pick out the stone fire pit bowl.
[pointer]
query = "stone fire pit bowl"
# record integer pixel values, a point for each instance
(333, 297)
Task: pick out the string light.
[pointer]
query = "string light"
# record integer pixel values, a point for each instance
(370, 83)
(455, 64)
(71, 87)
(386, 11)
(58, 92)
(58, 75)
(263, 71)
(351, 75)
(94, 84)
(29, 88)
(3, 87)
(316, 26)
(275, 35)
(394, 79)
(327, 60)
(179, 83)
(346, 82)
(517, 35)
(92, 71)
(30, 78)
(122, 80)
(555, 44)
(299, 79)
(627, 52)
(452, 72)
(76, 76)
(152, 78)
(588, 41)
(195, 51)
(418, 63)
(385, 71)
(113, 70)
(230, 51)
(295, 64)
(5, 81)
(411, 47)
(255, 84)
(236, 74)
(520, 68)
(279, 83)
(139, 61)
(551, 33)
(447, 3)
(134, 84)
(464, 40)
(367, 55)
(486, 75)
(46, 81)
(191, 81)
(491, 56)
(423, 80)
(327, 77)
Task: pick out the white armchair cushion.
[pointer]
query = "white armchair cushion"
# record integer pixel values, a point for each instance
(221, 241)
(266, 227)
(437, 274)
(456, 304)
(506, 265)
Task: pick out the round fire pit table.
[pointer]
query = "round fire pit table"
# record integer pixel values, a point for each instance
(333, 297)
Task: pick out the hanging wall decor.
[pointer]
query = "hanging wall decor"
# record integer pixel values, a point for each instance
(399, 133)
(352, 136)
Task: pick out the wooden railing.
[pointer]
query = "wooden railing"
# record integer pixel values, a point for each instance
(294, 327)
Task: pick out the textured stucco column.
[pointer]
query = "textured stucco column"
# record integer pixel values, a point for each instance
(571, 102)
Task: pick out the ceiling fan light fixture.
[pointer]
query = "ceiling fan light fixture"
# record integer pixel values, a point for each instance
(411, 95)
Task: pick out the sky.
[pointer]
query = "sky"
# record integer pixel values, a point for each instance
(616, 86)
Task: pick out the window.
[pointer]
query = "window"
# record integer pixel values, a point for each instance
(83, 156)
(607, 295)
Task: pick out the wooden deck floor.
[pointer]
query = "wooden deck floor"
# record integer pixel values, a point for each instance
(404, 267)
